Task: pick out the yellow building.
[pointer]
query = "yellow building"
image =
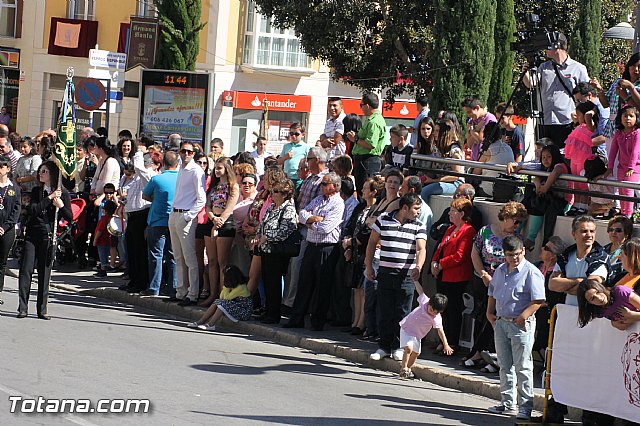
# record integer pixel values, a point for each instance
(245, 55)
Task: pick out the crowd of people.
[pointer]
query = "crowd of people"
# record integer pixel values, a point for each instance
(336, 230)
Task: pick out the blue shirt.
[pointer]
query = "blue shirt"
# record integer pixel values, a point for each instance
(426, 215)
(162, 188)
(515, 290)
(300, 151)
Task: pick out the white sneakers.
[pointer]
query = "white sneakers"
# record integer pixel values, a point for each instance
(204, 327)
(378, 355)
(397, 354)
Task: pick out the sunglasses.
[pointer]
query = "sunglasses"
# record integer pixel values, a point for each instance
(205, 162)
(513, 254)
(311, 158)
(546, 248)
(109, 193)
(248, 183)
(616, 230)
(186, 151)
(325, 183)
(294, 134)
(362, 104)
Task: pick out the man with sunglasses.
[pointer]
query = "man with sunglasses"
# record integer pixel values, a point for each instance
(188, 200)
(293, 152)
(371, 141)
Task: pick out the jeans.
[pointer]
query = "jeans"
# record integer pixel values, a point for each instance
(439, 188)
(159, 243)
(364, 167)
(394, 300)
(103, 255)
(513, 346)
(370, 287)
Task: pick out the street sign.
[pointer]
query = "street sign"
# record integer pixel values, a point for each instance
(106, 59)
(90, 94)
(116, 95)
(116, 76)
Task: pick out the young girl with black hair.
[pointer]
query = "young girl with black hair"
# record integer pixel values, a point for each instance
(545, 205)
(235, 302)
(625, 146)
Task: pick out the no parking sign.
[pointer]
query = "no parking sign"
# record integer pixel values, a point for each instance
(90, 94)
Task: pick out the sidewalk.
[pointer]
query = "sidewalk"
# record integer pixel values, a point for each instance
(441, 370)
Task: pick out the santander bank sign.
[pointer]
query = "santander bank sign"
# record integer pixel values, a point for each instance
(275, 102)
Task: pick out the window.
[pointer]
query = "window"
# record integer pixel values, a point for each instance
(147, 9)
(8, 14)
(82, 9)
(265, 45)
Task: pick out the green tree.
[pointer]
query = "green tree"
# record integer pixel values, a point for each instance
(464, 59)
(585, 42)
(501, 79)
(180, 34)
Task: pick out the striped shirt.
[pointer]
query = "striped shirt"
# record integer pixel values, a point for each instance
(310, 189)
(328, 230)
(398, 242)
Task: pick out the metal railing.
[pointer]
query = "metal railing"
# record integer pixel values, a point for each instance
(468, 164)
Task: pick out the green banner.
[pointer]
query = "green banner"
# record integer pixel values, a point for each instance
(64, 152)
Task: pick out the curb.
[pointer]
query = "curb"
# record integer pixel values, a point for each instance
(463, 383)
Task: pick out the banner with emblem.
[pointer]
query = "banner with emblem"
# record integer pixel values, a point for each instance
(64, 153)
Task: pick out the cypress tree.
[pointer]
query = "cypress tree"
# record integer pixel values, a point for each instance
(501, 80)
(464, 52)
(585, 42)
(180, 34)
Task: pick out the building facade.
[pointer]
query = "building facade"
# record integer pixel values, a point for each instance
(248, 59)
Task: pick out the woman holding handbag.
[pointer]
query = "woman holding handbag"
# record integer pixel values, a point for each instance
(452, 267)
(274, 232)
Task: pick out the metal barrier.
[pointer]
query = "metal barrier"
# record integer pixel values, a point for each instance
(468, 164)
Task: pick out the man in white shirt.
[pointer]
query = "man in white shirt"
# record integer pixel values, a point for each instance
(332, 139)
(260, 154)
(189, 199)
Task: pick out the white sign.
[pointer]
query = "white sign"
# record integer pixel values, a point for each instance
(116, 76)
(596, 367)
(106, 59)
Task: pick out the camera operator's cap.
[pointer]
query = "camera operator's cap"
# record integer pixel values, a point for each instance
(562, 41)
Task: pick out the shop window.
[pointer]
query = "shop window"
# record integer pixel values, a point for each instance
(82, 9)
(267, 46)
(8, 17)
(147, 9)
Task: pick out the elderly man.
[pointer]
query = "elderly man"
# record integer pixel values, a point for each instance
(332, 139)
(7, 149)
(322, 217)
(189, 199)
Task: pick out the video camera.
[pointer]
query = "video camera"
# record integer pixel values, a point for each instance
(534, 39)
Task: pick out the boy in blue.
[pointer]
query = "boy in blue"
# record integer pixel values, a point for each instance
(516, 292)
(293, 152)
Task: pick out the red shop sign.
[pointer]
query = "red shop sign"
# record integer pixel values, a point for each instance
(276, 102)
(400, 109)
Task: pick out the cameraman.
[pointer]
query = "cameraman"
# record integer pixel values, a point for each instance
(557, 78)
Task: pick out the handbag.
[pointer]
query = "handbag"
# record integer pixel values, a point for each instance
(290, 247)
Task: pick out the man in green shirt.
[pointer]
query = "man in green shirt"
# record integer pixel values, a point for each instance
(371, 141)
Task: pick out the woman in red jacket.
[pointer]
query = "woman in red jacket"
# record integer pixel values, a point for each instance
(452, 267)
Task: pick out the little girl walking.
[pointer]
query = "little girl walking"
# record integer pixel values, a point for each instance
(235, 302)
(626, 147)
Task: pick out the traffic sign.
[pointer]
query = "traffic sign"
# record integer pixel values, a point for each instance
(90, 94)
(116, 76)
(116, 95)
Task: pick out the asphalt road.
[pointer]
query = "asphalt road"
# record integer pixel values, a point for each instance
(94, 349)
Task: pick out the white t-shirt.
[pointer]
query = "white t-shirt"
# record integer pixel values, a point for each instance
(577, 268)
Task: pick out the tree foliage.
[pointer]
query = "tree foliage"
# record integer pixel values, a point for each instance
(501, 79)
(180, 34)
(585, 43)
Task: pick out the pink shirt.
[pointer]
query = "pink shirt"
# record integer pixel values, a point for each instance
(627, 147)
(418, 323)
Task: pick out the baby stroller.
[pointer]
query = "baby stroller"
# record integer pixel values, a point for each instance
(68, 232)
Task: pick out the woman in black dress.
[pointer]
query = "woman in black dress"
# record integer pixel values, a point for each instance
(38, 237)
(9, 214)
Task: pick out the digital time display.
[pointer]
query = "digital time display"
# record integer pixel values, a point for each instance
(173, 79)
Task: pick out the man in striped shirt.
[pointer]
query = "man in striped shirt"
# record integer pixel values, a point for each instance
(322, 217)
(403, 241)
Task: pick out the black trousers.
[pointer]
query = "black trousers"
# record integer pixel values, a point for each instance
(315, 284)
(137, 251)
(558, 133)
(365, 166)
(394, 298)
(6, 241)
(274, 268)
(34, 255)
(452, 316)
